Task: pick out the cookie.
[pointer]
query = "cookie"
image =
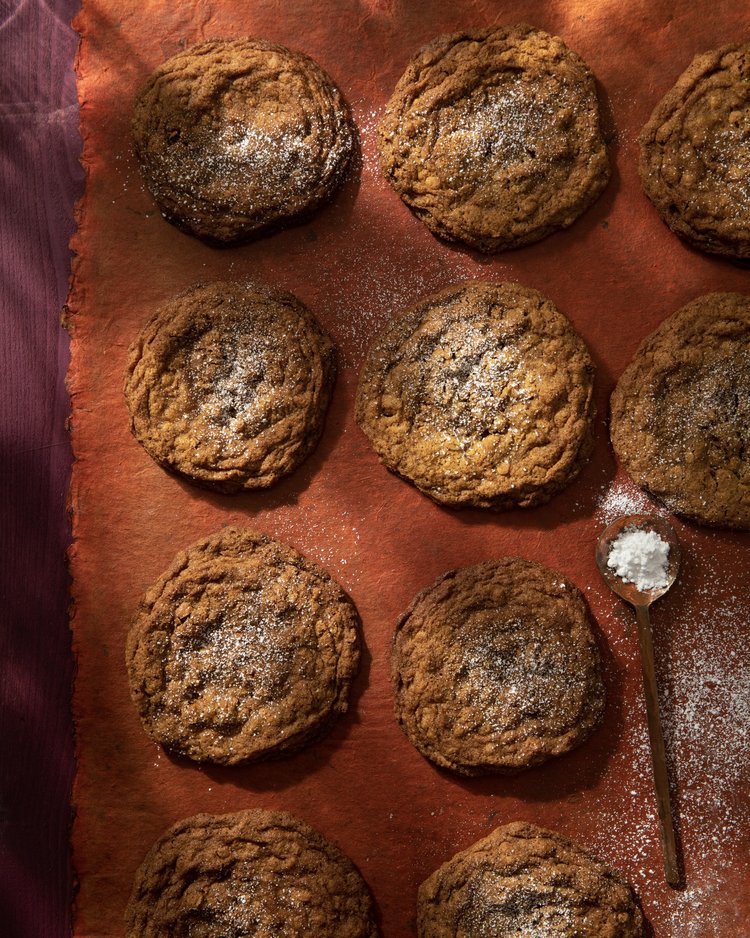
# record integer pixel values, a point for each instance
(481, 395)
(695, 153)
(241, 650)
(238, 136)
(521, 881)
(495, 668)
(492, 137)
(228, 385)
(680, 413)
(263, 874)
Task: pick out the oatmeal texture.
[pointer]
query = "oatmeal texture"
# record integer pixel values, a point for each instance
(228, 385)
(481, 395)
(695, 153)
(252, 874)
(241, 650)
(680, 420)
(492, 137)
(526, 882)
(495, 668)
(238, 136)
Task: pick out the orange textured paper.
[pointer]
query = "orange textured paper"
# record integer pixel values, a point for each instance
(359, 262)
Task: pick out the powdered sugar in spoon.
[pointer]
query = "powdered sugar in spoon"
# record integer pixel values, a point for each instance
(653, 565)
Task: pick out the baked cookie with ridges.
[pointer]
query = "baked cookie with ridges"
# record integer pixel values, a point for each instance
(492, 137)
(680, 413)
(241, 650)
(695, 153)
(253, 874)
(523, 880)
(481, 395)
(495, 668)
(238, 136)
(228, 385)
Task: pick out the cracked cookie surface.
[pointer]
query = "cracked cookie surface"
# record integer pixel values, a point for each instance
(695, 153)
(680, 413)
(228, 385)
(241, 650)
(492, 137)
(237, 136)
(523, 880)
(495, 668)
(481, 395)
(252, 874)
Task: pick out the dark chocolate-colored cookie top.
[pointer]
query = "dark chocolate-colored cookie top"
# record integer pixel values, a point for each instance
(495, 668)
(695, 153)
(242, 649)
(492, 137)
(481, 395)
(228, 385)
(236, 136)
(680, 421)
(253, 874)
(522, 881)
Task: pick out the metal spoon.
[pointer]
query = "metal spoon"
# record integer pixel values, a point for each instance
(641, 600)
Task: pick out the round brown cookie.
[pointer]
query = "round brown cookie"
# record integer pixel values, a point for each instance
(695, 153)
(495, 668)
(492, 137)
(522, 881)
(253, 874)
(228, 385)
(480, 395)
(242, 649)
(680, 422)
(235, 136)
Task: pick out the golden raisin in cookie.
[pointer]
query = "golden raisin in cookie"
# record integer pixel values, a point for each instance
(253, 874)
(236, 136)
(242, 649)
(492, 137)
(228, 385)
(495, 668)
(695, 153)
(680, 422)
(523, 881)
(480, 395)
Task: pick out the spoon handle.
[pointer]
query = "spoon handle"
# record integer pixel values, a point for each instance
(658, 757)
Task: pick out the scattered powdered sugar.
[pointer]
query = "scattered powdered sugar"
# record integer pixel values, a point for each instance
(621, 498)
(640, 557)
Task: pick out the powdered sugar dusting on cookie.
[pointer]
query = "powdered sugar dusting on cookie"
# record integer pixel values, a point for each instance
(513, 673)
(505, 127)
(533, 911)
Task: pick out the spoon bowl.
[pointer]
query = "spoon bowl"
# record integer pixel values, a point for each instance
(628, 591)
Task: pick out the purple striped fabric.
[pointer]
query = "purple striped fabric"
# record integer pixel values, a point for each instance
(39, 182)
